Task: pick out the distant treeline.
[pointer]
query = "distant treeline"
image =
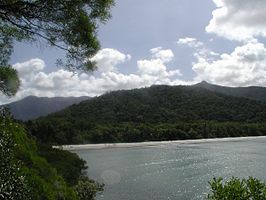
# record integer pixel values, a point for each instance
(137, 132)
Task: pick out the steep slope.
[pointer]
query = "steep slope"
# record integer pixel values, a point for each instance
(111, 116)
(252, 92)
(33, 107)
(166, 104)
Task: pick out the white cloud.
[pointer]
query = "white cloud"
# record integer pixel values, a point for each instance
(29, 67)
(64, 83)
(156, 66)
(200, 50)
(108, 58)
(190, 42)
(241, 20)
(245, 66)
(165, 55)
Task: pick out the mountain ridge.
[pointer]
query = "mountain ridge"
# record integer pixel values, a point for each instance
(154, 113)
(251, 92)
(32, 107)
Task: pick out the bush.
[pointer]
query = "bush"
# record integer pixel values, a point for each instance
(245, 189)
(87, 189)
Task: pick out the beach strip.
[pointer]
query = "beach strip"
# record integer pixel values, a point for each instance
(152, 143)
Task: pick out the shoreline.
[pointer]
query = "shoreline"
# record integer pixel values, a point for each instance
(151, 143)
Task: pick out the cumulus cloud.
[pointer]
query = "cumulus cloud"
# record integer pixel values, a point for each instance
(241, 20)
(165, 55)
(29, 67)
(156, 66)
(245, 66)
(35, 81)
(108, 58)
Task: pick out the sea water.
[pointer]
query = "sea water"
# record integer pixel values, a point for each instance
(173, 171)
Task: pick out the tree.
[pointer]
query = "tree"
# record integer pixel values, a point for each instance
(70, 25)
(9, 81)
(12, 182)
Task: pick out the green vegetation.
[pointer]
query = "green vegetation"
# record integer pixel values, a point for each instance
(12, 181)
(245, 189)
(67, 164)
(87, 189)
(68, 25)
(155, 113)
(28, 171)
(251, 92)
(9, 81)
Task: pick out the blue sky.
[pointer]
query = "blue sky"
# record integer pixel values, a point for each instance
(158, 42)
(138, 26)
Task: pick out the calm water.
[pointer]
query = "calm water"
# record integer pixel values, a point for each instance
(173, 171)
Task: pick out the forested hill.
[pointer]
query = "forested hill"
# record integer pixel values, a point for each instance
(155, 113)
(33, 107)
(252, 92)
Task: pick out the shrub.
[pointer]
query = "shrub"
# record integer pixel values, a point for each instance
(237, 189)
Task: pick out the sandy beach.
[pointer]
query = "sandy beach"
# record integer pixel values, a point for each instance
(152, 143)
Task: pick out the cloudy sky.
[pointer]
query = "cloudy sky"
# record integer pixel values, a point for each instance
(158, 42)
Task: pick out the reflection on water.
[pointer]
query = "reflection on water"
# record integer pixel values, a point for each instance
(173, 171)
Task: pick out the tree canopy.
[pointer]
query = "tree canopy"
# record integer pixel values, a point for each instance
(70, 25)
(29, 170)
(149, 114)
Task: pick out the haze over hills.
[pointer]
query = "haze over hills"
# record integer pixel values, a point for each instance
(165, 103)
(252, 92)
(33, 107)
(154, 113)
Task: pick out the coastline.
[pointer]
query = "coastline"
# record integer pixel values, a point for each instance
(151, 143)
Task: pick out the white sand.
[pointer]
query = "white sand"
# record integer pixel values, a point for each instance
(153, 143)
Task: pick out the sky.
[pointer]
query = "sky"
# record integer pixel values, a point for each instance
(173, 42)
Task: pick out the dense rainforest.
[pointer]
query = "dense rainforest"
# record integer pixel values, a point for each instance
(251, 92)
(154, 113)
(30, 170)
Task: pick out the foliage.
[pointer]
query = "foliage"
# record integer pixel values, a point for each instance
(9, 81)
(24, 166)
(42, 180)
(13, 185)
(156, 113)
(70, 25)
(87, 189)
(67, 164)
(237, 189)
(251, 92)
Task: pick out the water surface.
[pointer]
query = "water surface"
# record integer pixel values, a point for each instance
(173, 171)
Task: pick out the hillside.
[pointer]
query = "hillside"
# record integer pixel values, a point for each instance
(33, 107)
(155, 113)
(166, 104)
(252, 92)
